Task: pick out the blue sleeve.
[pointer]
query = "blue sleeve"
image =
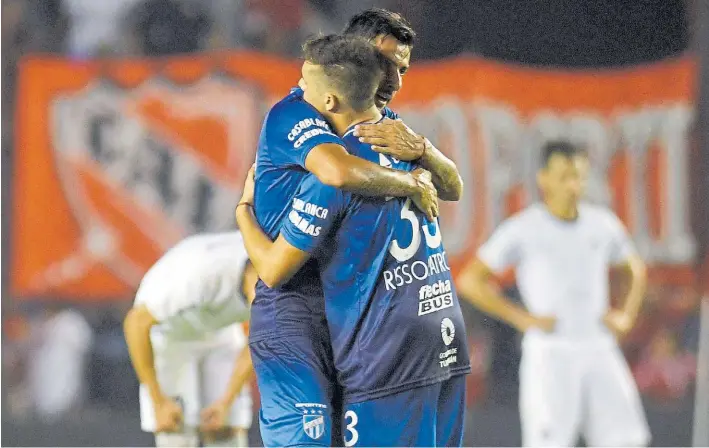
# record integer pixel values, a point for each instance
(314, 210)
(390, 114)
(293, 129)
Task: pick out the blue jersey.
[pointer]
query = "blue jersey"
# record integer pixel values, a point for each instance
(392, 310)
(291, 129)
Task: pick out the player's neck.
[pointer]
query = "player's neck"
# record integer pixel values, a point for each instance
(562, 211)
(342, 122)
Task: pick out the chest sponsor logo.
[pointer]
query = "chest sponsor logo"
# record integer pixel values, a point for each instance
(435, 297)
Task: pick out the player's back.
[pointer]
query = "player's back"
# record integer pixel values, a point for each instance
(290, 130)
(194, 288)
(395, 324)
(394, 316)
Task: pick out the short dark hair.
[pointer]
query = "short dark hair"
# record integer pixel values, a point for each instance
(352, 65)
(561, 147)
(374, 22)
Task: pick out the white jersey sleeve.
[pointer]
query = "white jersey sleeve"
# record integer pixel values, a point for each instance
(621, 244)
(502, 250)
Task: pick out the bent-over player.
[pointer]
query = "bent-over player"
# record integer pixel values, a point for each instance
(188, 345)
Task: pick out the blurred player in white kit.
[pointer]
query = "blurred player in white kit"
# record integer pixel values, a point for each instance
(574, 379)
(187, 342)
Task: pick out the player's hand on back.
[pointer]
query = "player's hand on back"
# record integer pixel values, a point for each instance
(426, 199)
(215, 416)
(392, 137)
(619, 322)
(168, 415)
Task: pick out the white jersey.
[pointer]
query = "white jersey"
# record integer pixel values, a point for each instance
(195, 288)
(562, 267)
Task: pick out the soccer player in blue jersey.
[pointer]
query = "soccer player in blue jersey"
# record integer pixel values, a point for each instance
(401, 363)
(289, 338)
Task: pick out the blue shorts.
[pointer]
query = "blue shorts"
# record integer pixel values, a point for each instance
(426, 416)
(299, 399)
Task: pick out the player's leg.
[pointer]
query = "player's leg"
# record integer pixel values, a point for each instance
(295, 380)
(550, 397)
(450, 416)
(177, 372)
(183, 439)
(406, 418)
(216, 370)
(615, 414)
(228, 437)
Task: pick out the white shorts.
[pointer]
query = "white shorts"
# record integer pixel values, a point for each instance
(568, 389)
(196, 375)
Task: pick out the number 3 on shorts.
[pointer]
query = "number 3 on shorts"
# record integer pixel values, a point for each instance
(353, 434)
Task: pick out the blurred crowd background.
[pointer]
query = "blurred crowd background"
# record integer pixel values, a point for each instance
(67, 378)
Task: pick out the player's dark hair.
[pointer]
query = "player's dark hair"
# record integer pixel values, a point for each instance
(374, 22)
(352, 65)
(560, 147)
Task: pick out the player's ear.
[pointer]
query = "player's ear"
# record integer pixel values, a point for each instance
(332, 103)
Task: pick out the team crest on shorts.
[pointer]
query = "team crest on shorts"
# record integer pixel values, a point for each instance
(313, 419)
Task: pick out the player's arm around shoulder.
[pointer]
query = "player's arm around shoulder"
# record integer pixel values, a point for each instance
(304, 228)
(275, 262)
(395, 138)
(335, 167)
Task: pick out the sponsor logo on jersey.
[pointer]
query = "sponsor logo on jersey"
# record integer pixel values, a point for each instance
(407, 273)
(435, 297)
(450, 356)
(447, 331)
(313, 419)
(310, 209)
(322, 128)
(305, 124)
(303, 225)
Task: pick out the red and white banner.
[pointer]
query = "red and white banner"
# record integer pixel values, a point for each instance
(118, 160)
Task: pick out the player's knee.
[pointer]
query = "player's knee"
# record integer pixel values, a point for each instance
(233, 437)
(176, 440)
